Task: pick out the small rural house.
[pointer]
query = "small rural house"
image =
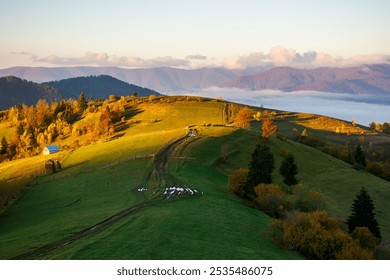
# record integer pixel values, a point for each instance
(51, 150)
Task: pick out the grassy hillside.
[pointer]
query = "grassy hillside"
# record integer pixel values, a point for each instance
(102, 179)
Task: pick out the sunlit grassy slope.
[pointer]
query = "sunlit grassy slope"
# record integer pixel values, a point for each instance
(98, 180)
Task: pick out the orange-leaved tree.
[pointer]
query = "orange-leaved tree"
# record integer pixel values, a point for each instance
(268, 128)
(243, 117)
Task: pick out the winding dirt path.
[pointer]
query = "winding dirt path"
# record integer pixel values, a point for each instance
(160, 169)
(161, 161)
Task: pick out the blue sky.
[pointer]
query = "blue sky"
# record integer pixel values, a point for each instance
(234, 34)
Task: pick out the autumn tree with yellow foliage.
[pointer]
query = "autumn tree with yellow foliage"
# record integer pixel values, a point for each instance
(244, 117)
(268, 128)
(318, 236)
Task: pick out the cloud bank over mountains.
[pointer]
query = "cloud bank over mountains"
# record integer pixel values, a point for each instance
(277, 56)
(104, 59)
(343, 106)
(281, 56)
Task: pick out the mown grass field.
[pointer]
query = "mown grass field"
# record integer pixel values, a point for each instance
(98, 180)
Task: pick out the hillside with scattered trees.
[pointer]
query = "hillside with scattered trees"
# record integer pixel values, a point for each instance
(139, 156)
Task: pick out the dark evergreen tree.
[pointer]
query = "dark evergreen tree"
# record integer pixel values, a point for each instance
(288, 169)
(82, 102)
(363, 214)
(3, 146)
(260, 169)
(19, 129)
(359, 157)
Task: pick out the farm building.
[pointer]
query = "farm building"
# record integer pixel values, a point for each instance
(51, 150)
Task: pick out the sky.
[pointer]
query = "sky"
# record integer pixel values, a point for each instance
(192, 34)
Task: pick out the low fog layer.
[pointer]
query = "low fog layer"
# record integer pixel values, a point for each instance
(337, 105)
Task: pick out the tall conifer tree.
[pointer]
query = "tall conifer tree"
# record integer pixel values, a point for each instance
(260, 168)
(363, 214)
(288, 169)
(360, 159)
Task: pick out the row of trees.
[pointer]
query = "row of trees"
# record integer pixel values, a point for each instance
(385, 127)
(355, 151)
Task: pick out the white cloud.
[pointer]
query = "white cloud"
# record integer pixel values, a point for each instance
(103, 59)
(281, 56)
(196, 57)
(242, 62)
(277, 56)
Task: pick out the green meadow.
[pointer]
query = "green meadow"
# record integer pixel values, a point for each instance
(102, 179)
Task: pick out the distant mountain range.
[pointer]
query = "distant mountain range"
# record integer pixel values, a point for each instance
(370, 83)
(14, 90)
(162, 79)
(369, 79)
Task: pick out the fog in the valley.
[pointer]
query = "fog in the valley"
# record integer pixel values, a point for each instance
(337, 105)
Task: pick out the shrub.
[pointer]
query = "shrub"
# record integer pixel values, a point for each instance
(152, 98)
(271, 199)
(313, 142)
(375, 168)
(112, 97)
(310, 201)
(237, 181)
(365, 238)
(317, 236)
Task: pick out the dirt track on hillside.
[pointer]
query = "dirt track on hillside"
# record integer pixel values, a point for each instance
(160, 171)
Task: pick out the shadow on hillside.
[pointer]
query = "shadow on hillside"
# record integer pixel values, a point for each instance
(131, 112)
(73, 165)
(115, 137)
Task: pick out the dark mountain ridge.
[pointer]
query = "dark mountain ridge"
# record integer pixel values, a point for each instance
(98, 87)
(15, 90)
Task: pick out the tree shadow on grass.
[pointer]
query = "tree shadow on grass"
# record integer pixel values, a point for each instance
(131, 112)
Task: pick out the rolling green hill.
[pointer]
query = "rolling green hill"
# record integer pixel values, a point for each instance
(96, 207)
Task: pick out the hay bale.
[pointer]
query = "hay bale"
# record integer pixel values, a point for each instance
(57, 164)
(50, 167)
